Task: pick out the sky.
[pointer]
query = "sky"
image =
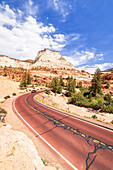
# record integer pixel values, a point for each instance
(81, 30)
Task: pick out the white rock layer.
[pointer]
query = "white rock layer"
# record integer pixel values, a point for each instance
(17, 151)
(7, 61)
(53, 59)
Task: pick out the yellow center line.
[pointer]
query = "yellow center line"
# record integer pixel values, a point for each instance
(75, 131)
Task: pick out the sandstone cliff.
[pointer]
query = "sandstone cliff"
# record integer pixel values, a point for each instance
(52, 59)
(10, 62)
(17, 151)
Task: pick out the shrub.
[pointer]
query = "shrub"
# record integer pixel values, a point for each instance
(94, 116)
(107, 108)
(76, 99)
(3, 111)
(14, 94)
(47, 91)
(111, 122)
(5, 74)
(59, 89)
(100, 101)
(6, 97)
(44, 162)
(107, 85)
(107, 97)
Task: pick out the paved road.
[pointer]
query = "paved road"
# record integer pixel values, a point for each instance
(80, 145)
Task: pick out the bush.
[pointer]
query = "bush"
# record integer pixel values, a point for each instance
(76, 99)
(107, 108)
(59, 89)
(6, 97)
(5, 74)
(3, 111)
(111, 122)
(47, 91)
(107, 97)
(100, 101)
(79, 100)
(14, 94)
(94, 116)
(107, 85)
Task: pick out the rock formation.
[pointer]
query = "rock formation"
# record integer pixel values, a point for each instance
(17, 151)
(48, 64)
(10, 62)
(52, 59)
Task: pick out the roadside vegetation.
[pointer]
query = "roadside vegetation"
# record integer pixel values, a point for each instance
(26, 80)
(91, 97)
(3, 113)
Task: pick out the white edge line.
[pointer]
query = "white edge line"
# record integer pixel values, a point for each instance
(69, 163)
(71, 116)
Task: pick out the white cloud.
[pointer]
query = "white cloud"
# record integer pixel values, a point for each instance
(100, 56)
(30, 8)
(59, 37)
(63, 7)
(81, 57)
(73, 37)
(91, 69)
(84, 57)
(23, 39)
(7, 15)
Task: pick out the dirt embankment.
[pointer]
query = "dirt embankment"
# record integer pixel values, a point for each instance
(17, 151)
(7, 87)
(60, 101)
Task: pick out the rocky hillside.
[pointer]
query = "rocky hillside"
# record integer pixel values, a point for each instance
(52, 59)
(48, 64)
(108, 70)
(10, 62)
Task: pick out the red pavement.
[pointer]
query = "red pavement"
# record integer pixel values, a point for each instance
(90, 147)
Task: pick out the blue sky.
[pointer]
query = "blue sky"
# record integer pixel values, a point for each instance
(81, 30)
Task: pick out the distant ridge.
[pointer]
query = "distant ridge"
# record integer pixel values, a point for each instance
(108, 70)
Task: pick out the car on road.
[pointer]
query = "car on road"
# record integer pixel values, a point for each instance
(33, 91)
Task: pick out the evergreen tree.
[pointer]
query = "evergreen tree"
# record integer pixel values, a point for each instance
(56, 87)
(79, 84)
(61, 81)
(28, 79)
(70, 86)
(96, 83)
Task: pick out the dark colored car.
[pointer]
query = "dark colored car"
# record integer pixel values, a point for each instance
(33, 91)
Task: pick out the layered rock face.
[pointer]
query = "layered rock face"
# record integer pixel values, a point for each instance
(51, 59)
(7, 61)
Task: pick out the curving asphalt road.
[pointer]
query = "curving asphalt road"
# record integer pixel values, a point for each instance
(79, 144)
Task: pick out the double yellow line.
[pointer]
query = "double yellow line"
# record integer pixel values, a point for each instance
(74, 131)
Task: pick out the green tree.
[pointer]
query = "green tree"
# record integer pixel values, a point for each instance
(107, 97)
(59, 89)
(56, 87)
(107, 84)
(79, 84)
(28, 79)
(70, 86)
(96, 83)
(61, 82)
